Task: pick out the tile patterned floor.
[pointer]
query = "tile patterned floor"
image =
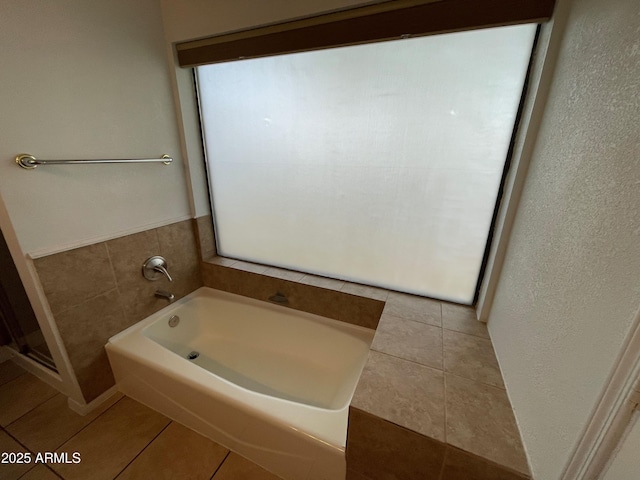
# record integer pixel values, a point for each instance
(122, 440)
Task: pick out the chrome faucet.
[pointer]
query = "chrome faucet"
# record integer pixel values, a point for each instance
(164, 294)
(162, 269)
(154, 267)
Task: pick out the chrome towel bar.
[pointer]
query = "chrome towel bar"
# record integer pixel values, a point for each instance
(30, 162)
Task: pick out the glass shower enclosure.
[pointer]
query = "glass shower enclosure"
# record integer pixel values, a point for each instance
(19, 328)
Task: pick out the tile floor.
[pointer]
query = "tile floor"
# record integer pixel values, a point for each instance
(123, 439)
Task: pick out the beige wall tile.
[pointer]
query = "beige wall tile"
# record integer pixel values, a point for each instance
(224, 278)
(284, 274)
(129, 253)
(463, 319)
(72, 277)
(404, 393)
(365, 291)
(99, 290)
(178, 453)
(139, 300)
(211, 274)
(471, 357)
(237, 468)
(21, 395)
(323, 282)
(178, 246)
(337, 305)
(415, 308)
(381, 450)
(11, 471)
(480, 420)
(85, 329)
(205, 235)
(112, 441)
(328, 303)
(459, 465)
(250, 267)
(409, 340)
(224, 261)
(52, 423)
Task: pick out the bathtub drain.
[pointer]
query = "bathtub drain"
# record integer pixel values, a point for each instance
(193, 355)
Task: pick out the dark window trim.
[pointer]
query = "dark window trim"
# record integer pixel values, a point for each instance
(507, 167)
(373, 23)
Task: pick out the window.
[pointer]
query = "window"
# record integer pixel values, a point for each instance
(378, 163)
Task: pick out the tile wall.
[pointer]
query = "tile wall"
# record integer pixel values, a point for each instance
(97, 291)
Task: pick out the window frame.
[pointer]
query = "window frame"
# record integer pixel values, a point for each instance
(500, 194)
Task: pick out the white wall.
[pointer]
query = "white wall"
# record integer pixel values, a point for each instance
(86, 79)
(569, 288)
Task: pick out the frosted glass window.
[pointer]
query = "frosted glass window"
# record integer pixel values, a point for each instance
(378, 163)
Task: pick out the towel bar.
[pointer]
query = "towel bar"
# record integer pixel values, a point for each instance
(30, 162)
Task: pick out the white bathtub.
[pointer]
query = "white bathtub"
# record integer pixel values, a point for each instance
(271, 383)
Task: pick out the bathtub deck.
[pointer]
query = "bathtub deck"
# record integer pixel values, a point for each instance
(123, 440)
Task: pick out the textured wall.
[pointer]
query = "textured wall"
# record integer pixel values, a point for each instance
(570, 284)
(86, 79)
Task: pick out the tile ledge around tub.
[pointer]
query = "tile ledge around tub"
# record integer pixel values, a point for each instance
(306, 292)
(382, 404)
(302, 278)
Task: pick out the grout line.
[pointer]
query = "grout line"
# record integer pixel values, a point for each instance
(221, 463)
(444, 382)
(155, 230)
(444, 394)
(32, 453)
(118, 286)
(113, 270)
(409, 360)
(145, 447)
(52, 471)
(468, 334)
(46, 466)
(25, 473)
(444, 462)
(87, 425)
(36, 406)
(478, 381)
(115, 288)
(18, 441)
(408, 319)
(9, 381)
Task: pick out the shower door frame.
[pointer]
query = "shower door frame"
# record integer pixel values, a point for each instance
(64, 380)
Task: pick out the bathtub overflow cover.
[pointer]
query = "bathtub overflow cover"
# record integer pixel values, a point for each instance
(193, 355)
(174, 320)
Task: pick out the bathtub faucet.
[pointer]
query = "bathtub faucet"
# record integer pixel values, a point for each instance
(164, 294)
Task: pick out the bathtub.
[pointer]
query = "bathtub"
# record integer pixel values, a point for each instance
(270, 383)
